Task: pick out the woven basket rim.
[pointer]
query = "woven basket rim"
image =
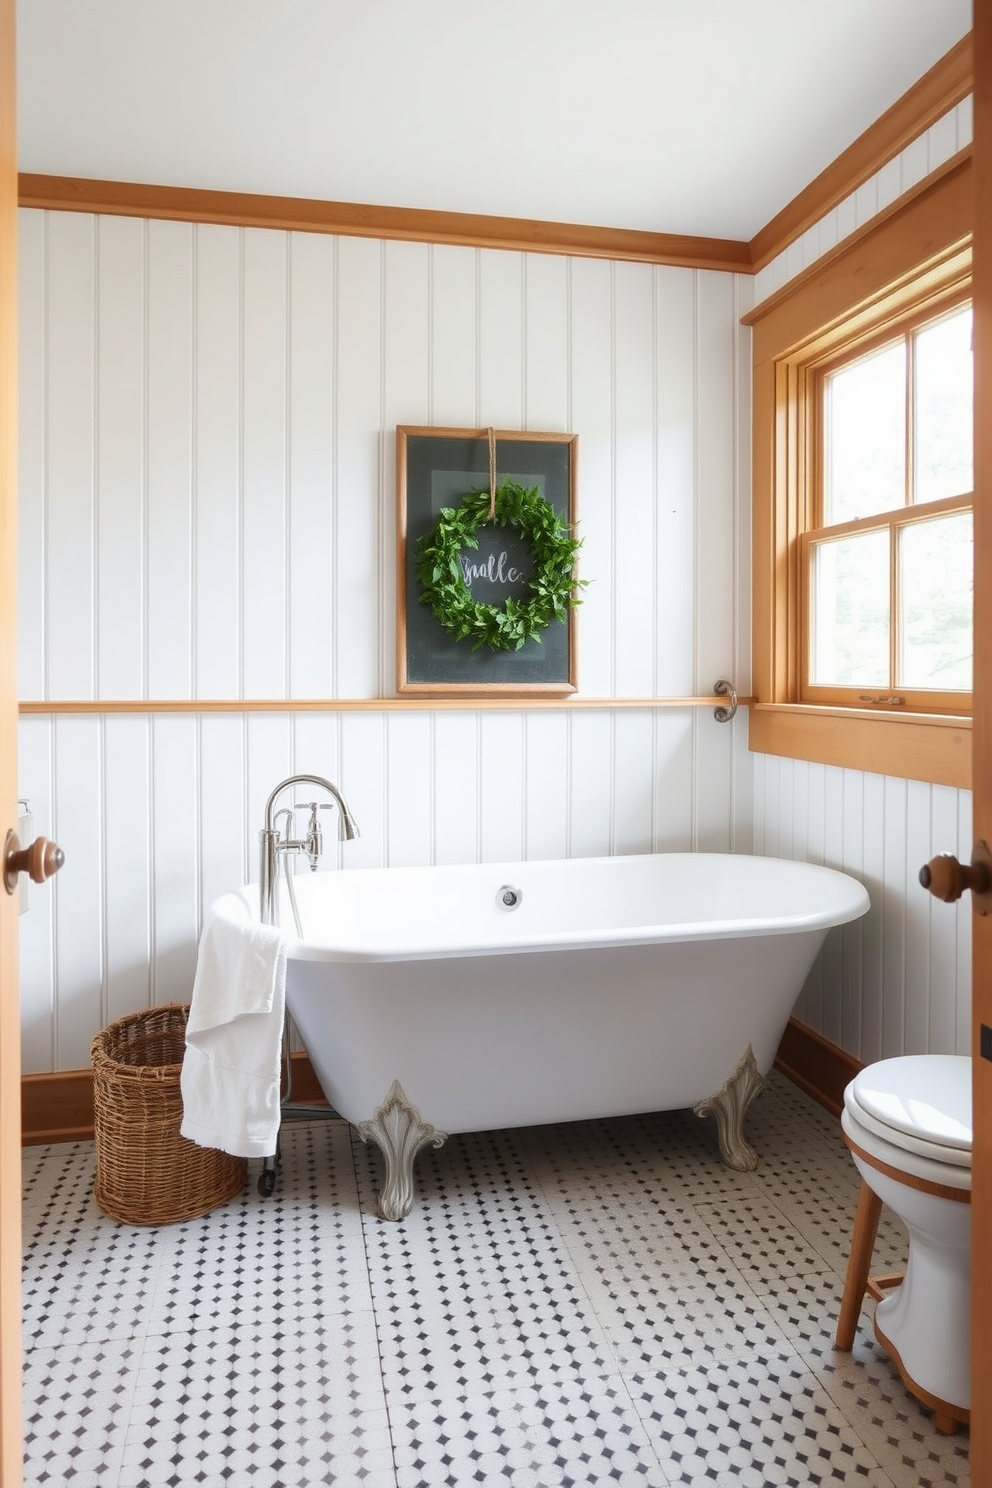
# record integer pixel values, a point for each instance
(102, 1056)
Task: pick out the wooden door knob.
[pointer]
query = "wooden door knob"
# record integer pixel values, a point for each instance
(40, 860)
(947, 879)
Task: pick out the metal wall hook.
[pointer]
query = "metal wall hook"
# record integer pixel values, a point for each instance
(724, 714)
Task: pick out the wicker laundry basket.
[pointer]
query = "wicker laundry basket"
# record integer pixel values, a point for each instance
(146, 1173)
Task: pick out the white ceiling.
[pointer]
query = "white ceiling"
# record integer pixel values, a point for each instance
(682, 116)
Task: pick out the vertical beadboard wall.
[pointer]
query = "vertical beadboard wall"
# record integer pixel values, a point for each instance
(208, 510)
(898, 982)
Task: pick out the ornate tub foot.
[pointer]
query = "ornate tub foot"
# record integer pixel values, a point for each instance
(398, 1131)
(729, 1107)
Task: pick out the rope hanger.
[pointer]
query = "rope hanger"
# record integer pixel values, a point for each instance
(492, 475)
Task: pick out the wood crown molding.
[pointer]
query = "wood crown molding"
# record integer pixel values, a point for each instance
(407, 224)
(941, 89)
(947, 83)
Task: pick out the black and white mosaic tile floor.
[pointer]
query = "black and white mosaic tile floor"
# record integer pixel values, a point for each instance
(596, 1303)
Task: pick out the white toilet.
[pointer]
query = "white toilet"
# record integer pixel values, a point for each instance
(907, 1122)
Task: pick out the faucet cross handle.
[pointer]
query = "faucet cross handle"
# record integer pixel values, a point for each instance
(313, 842)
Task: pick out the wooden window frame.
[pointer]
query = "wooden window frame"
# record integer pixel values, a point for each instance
(893, 520)
(914, 257)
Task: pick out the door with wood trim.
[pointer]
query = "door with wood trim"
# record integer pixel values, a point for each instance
(10, 1062)
(981, 1308)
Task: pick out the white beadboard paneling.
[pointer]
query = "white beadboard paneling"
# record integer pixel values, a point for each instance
(363, 497)
(715, 476)
(633, 783)
(225, 861)
(851, 936)
(406, 400)
(126, 853)
(454, 337)
(410, 813)
(742, 768)
(456, 787)
(635, 535)
(592, 386)
(871, 928)
(892, 907)
(218, 515)
(674, 606)
(546, 742)
(316, 748)
(833, 854)
(32, 273)
(762, 764)
(741, 662)
(591, 771)
(362, 777)
(264, 585)
(169, 454)
(502, 761)
(80, 891)
(120, 457)
(897, 981)
(71, 456)
(545, 330)
(918, 914)
(175, 855)
(500, 373)
(714, 784)
(674, 781)
(312, 414)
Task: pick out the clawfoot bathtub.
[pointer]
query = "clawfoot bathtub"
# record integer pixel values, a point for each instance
(453, 999)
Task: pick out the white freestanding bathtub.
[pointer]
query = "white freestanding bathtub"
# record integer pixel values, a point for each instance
(453, 999)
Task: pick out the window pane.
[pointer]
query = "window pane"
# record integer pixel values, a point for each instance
(935, 606)
(865, 445)
(850, 619)
(944, 384)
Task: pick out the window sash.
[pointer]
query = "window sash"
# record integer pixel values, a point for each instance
(890, 697)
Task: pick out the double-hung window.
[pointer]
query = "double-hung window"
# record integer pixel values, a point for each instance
(862, 497)
(886, 564)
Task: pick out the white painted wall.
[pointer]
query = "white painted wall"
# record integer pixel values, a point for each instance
(208, 511)
(900, 980)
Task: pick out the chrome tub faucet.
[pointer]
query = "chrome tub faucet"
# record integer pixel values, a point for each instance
(271, 843)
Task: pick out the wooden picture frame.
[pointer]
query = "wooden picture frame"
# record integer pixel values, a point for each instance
(435, 468)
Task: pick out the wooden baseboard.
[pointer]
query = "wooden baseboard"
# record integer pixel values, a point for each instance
(816, 1065)
(59, 1107)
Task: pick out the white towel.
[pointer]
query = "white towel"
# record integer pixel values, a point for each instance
(231, 1067)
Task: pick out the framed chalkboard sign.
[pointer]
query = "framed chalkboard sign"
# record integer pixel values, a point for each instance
(437, 469)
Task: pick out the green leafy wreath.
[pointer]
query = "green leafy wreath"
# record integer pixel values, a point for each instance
(552, 586)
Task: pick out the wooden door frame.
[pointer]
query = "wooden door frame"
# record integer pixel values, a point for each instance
(10, 1012)
(981, 1002)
